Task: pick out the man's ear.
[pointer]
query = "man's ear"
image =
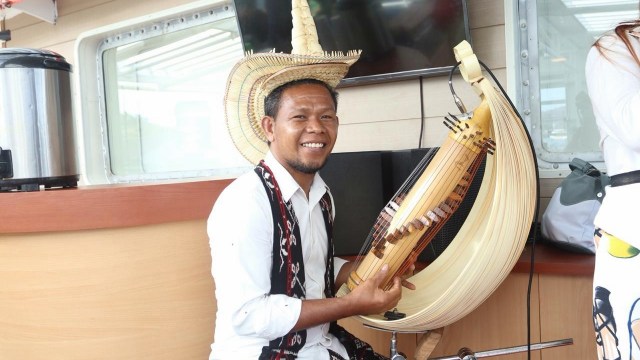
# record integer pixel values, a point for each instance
(267, 126)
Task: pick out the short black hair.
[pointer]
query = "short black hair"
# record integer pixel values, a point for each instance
(272, 101)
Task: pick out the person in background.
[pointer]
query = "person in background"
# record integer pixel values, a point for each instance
(613, 81)
(270, 230)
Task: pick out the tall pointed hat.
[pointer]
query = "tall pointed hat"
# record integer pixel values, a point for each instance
(256, 75)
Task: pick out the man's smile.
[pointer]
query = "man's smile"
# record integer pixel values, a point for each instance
(313, 145)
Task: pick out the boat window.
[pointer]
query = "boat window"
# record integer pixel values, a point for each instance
(552, 45)
(163, 85)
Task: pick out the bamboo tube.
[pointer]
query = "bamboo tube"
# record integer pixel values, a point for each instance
(422, 207)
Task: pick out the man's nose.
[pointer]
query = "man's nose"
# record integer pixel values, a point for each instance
(315, 124)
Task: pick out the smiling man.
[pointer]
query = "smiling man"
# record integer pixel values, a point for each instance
(271, 229)
(306, 130)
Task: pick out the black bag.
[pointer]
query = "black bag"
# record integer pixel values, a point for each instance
(568, 220)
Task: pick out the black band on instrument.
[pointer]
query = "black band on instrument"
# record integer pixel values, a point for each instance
(631, 177)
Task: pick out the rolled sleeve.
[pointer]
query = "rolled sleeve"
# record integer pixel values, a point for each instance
(269, 316)
(337, 265)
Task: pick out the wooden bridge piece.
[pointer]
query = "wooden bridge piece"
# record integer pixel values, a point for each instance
(428, 343)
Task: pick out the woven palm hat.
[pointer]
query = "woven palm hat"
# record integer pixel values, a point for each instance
(257, 75)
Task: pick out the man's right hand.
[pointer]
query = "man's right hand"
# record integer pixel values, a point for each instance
(368, 298)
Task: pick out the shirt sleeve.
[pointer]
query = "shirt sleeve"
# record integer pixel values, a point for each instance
(613, 82)
(337, 265)
(240, 230)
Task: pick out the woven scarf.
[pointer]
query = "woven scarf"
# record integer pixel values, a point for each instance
(287, 273)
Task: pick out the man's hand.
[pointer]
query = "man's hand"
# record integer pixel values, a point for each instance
(368, 298)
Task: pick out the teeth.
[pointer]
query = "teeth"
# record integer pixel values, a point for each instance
(313, 145)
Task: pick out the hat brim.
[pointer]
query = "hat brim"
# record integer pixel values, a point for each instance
(256, 76)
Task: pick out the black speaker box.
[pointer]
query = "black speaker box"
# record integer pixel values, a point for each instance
(363, 182)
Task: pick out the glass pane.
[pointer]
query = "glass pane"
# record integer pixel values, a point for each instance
(164, 101)
(561, 34)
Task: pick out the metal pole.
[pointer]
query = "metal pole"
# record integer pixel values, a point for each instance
(467, 354)
(393, 351)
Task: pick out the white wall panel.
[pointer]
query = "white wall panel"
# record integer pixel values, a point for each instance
(373, 117)
(75, 17)
(483, 13)
(379, 102)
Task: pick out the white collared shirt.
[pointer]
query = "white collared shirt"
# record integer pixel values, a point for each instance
(614, 88)
(240, 230)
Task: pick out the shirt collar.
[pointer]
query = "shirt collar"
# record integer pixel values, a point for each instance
(289, 186)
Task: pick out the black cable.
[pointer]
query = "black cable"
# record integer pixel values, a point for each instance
(535, 217)
(456, 99)
(421, 113)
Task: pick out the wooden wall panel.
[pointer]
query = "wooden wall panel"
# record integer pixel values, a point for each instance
(129, 294)
(108, 206)
(499, 322)
(567, 316)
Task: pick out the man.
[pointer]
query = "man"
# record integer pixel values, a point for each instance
(270, 230)
(301, 132)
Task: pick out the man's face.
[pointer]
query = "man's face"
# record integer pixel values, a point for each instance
(305, 129)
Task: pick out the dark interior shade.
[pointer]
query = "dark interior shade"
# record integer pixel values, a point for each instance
(397, 38)
(363, 182)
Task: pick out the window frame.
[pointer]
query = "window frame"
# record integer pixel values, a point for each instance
(524, 83)
(90, 106)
